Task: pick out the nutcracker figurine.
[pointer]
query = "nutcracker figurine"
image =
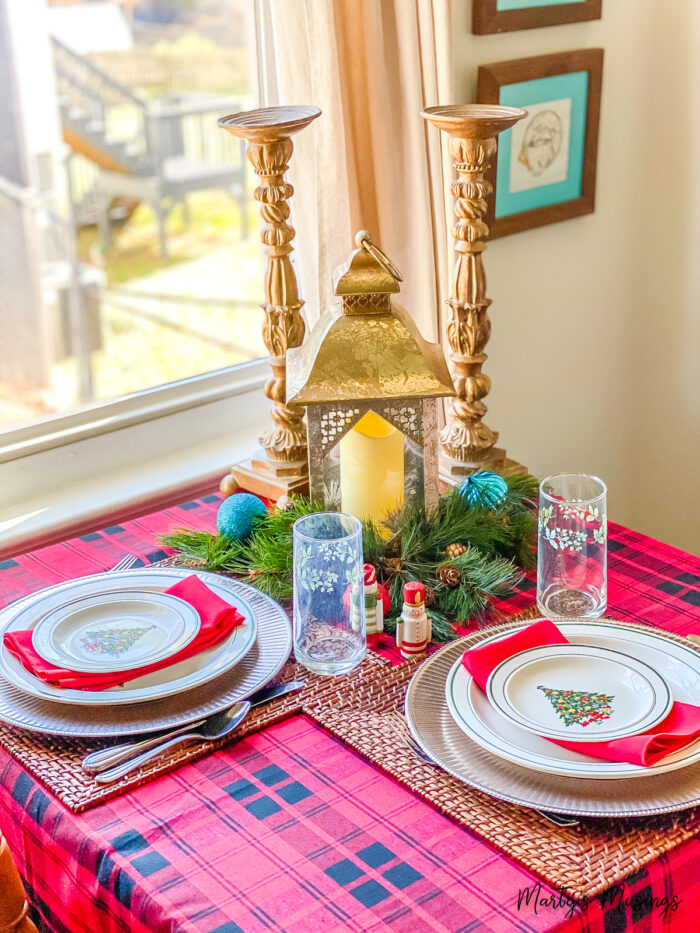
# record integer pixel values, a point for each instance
(356, 593)
(414, 629)
(374, 607)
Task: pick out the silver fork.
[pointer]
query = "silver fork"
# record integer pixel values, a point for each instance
(398, 721)
(401, 726)
(126, 563)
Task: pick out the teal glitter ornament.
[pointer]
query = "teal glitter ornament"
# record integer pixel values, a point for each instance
(236, 515)
(484, 488)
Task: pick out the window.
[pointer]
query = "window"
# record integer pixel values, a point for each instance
(131, 269)
(130, 254)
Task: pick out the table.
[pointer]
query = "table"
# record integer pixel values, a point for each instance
(289, 830)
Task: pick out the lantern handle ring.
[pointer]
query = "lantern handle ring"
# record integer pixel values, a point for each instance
(364, 240)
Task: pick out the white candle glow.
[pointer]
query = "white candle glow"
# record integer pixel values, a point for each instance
(371, 469)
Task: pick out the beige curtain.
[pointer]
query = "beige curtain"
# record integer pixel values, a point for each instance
(369, 162)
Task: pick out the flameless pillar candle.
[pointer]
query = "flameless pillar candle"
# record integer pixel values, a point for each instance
(371, 468)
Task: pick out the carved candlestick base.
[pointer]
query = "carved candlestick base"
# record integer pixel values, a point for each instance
(467, 443)
(280, 467)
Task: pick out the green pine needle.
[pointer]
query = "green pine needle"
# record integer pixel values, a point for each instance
(500, 541)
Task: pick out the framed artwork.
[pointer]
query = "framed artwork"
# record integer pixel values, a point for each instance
(508, 15)
(545, 169)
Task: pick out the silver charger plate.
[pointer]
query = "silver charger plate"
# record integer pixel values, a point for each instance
(264, 660)
(447, 745)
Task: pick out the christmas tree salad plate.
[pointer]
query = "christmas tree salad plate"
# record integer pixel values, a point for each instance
(168, 681)
(578, 693)
(675, 660)
(115, 630)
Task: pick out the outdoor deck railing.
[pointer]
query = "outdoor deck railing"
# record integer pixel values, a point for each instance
(102, 110)
(109, 119)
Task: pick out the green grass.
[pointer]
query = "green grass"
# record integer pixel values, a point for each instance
(215, 219)
(208, 259)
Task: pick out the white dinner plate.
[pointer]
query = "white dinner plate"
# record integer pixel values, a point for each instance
(262, 663)
(678, 664)
(185, 675)
(439, 735)
(115, 630)
(578, 693)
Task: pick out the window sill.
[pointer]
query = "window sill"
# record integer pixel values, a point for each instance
(134, 409)
(53, 494)
(62, 514)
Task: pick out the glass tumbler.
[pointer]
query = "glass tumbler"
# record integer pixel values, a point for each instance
(329, 604)
(572, 547)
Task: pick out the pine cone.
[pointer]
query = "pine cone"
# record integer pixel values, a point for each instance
(455, 550)
(429, 596)
(449, 575)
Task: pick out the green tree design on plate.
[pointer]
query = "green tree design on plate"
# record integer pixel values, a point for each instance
(114, 641)
(576, 707)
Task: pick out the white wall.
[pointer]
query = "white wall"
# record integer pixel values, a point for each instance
(595, 349)
(35, 85)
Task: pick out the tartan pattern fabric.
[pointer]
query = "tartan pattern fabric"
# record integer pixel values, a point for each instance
(289, 830)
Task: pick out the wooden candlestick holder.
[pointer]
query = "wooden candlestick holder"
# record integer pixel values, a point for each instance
(467, 443)
(281, 465)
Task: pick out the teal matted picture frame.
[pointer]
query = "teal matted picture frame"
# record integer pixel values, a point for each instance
(489, 16)
(545, 169)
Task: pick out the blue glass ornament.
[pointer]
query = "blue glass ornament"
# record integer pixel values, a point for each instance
(484, 488)
(236, 515)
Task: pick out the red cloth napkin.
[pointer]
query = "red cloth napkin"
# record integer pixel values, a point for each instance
(481, 661)
(679, 728)
(218, 619)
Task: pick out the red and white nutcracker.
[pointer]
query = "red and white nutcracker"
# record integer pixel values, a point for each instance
(414, 629)
(377, 602)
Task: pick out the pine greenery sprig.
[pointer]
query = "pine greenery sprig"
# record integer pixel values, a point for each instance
(499, 542)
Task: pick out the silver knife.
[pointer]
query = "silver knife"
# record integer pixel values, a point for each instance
(106, 758)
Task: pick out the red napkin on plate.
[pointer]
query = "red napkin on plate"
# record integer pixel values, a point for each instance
(218, 619)
(481, 661)
(679, 728)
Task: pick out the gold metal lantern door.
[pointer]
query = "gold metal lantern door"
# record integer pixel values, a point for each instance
(370, 384)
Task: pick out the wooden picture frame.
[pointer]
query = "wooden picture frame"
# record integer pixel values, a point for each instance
(487, 18)
(552, 177)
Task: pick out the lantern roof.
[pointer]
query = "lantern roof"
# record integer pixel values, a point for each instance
(367, 271)
(369, 347)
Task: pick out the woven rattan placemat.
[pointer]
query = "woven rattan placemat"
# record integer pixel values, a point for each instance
(55, 761)
(584, 860)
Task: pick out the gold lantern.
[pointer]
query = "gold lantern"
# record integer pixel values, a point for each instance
(370, 384)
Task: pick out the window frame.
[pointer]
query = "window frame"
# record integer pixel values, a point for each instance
(117, 414)
(58, 473)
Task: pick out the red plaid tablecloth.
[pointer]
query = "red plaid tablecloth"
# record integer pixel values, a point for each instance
(290, 830)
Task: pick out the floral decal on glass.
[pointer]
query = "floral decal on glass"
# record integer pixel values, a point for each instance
(589, 526)
(325, 565)
(329, 612)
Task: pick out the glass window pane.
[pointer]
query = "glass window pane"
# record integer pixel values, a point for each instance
(129, 235)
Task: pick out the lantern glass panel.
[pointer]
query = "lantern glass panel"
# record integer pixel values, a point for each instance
(362, 460)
